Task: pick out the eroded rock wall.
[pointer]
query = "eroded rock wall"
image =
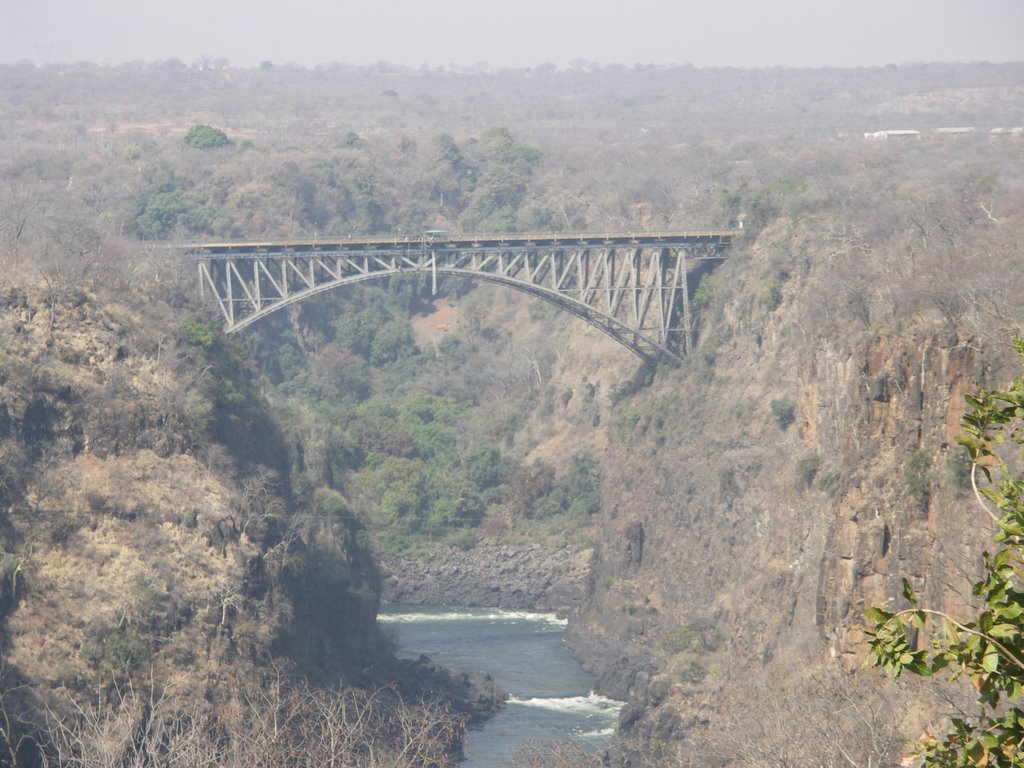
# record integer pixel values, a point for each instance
(780, 483)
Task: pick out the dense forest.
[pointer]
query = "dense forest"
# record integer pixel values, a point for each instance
(201, 516)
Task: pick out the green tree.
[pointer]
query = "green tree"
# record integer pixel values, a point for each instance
(530, 483)
(502, 179)
(447, 176)
(206, 137)
(807, 468)
(376, 334)
(483, 466)
(201, 335)
(917, 472)
(584, 485)
(705, 292)
(771, 294)
(14, 469)
(377, 431)
(399, 485)
(784, 411)
(990, 648)
(434, 442)
(156, 215)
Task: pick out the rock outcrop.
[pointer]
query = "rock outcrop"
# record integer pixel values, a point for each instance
(527, 576)
(472, 693)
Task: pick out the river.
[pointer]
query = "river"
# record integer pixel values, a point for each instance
(551, 696)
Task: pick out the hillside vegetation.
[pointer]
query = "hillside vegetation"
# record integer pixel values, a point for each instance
(196, 513)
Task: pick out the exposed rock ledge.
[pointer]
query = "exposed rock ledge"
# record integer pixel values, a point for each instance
(527, 577)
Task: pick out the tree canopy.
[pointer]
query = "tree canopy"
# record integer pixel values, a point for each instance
(206, 137)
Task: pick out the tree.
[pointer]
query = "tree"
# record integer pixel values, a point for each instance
(18, 203)
(71, 250)
(821, 718)
(206, 137)
(990, 648)
(283, 722)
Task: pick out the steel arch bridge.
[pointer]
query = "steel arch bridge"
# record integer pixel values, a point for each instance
(632, 287)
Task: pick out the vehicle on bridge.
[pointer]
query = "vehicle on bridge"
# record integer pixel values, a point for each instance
(435, 236)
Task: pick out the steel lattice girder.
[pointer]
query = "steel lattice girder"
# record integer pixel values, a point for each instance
(633, 288)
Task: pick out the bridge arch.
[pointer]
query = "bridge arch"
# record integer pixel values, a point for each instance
(632, 287)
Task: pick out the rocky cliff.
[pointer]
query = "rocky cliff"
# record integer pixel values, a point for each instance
(148, 525)
(782, 481)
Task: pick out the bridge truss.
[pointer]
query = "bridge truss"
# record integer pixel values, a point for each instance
(632, 287)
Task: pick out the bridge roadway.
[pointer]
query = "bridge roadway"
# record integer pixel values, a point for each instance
(634, 287)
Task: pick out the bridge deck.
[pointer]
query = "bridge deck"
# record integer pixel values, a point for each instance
(465, 242)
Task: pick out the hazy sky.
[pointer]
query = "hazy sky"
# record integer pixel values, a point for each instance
(515, 33)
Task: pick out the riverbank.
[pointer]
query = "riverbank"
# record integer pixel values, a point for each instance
(498, 575)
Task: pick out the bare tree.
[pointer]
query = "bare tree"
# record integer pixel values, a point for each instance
(127, 727)
(282, 723)
(49, 481)
(18, 204)
(261, 501)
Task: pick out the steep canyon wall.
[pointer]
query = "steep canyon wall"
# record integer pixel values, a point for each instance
(780, 483)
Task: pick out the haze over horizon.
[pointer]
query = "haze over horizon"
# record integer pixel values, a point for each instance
(309, 33)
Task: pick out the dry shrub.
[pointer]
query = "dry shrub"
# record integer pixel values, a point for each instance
(284, 723)
(819, 720)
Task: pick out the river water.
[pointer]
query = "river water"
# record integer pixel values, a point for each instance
(551, 696)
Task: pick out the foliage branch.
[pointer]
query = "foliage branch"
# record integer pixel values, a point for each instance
(989, 650)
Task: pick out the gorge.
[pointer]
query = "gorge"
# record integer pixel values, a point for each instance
(215, 518)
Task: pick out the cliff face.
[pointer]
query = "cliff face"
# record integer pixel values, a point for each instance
(148, 526)
(781, 482)
(906, 513)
